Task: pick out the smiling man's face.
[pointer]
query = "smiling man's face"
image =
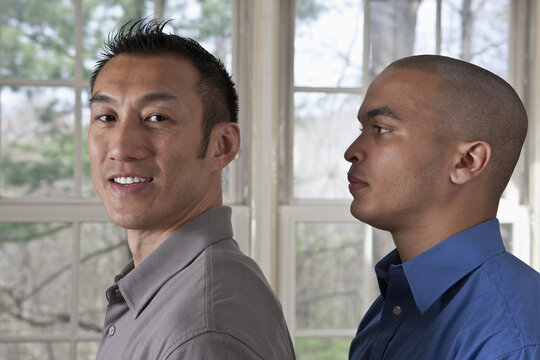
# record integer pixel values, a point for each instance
(144, 141)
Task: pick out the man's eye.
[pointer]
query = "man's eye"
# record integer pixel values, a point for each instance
(380, 129)
(156, 118)
(106, 118)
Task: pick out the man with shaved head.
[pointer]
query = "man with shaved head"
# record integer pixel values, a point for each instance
(440, 139)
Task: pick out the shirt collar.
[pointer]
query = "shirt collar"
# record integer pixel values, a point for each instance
(139, 285)
(434, 271)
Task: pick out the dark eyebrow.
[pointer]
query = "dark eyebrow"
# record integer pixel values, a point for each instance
(150, 97)
(382, 111)
(99, 98)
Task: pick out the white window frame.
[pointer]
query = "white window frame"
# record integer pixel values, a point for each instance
(534, 134)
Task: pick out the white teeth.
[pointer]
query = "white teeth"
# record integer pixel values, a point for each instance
(130, 180)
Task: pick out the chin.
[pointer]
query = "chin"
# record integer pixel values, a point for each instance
(125, 221)
(372, 218)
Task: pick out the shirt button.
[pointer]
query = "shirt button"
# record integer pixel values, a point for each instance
(396, 310)
(112, 330)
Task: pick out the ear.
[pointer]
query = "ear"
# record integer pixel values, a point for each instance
(470, 161)
(224, 144)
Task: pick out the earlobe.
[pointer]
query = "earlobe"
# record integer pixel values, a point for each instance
(471, 160)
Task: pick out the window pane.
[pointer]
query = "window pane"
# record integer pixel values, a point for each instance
(34, 351)
(324, 126)
(36, 277)
(426, 25)
(393, 31)
(37, 125)
(87, 186)
(208, 22)
(87, 350)
(506, 233)
(322, 348)
(37, 39)
(338, 256)
(104, 252)
(328, 43)
(477, 31)
(100, 18)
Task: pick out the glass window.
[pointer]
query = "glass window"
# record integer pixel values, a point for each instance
(209, 22)
(100, 17)
(331, 254)
(34, 297)
(477, 31)
(35, 351)
(103, 253)
(37, 39)
(323, 126)
(314, 348)
(36, 137)
(87, 350)
(331, 57)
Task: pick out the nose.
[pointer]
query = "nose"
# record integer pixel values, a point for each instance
(355, 152)
(128, 142)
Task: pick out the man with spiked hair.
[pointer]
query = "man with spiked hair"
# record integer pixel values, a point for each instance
(163, 126)
(440, 138)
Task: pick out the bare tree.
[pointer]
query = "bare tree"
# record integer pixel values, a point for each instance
(393, 26)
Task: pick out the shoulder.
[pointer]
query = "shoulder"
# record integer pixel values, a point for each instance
(212, 345)
(222, 301)
(527, 352)
(514, 281)
(516, 290)
(242, 304)
(232, 272)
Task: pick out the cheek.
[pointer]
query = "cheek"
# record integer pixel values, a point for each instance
(95, 150)
(393, 158)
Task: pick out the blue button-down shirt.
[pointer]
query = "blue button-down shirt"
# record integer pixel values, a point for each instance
(465, 298)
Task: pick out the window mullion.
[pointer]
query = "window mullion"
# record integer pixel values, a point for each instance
(286, 96)
(265, 126)
(79, 78)
(438, 29)
(74, 303)
(367, 44)
(534, 139)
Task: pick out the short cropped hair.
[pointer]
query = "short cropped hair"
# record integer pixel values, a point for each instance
(145, 37)
(473, 104)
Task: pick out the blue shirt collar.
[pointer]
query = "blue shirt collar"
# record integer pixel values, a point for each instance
(434, 271)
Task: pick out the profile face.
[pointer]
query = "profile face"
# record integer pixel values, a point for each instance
(397, 168)
(144, 139)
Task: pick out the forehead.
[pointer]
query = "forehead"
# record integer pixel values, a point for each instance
(403, 91)
(126, 72)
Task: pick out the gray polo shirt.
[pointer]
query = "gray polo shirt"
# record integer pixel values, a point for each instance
(197, 296)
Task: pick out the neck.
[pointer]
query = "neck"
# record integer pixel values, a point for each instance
(420, 236)
(142, 242)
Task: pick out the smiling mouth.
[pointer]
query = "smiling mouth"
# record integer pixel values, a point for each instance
(130, 180)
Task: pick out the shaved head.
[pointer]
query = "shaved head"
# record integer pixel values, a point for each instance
(473, 104)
